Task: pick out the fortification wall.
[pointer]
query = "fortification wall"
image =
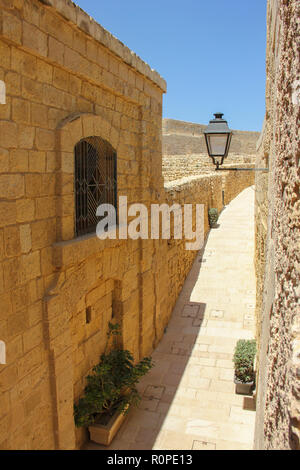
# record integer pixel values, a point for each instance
(212, 190)
(186, 138)
(277, 237)
(185, 153)
(178, 166)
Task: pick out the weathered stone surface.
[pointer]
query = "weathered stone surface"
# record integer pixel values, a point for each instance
(180, 137)
(277, 237)
(60, 88)
(11, 186)
(185, 153)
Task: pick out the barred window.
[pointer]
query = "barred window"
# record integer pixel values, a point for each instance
(95, 181)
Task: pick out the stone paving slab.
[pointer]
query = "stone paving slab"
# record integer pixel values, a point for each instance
(189, 400)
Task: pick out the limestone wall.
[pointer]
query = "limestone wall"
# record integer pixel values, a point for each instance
(213, 190)
(185, 138)
(178, 166)
(67, 78)
(184, 149)
(277, 237)
(235, 181)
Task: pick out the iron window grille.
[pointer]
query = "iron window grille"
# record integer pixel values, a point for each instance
(95, 181)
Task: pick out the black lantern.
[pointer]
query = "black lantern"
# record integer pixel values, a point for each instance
(218, 138)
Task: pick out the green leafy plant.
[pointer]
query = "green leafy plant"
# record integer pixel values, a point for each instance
(112, 385)
(213, 216)
(243, 359)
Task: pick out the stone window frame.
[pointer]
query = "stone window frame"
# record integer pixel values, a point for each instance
(96, 157)
(70, 132)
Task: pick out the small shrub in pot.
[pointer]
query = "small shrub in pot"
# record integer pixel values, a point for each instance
(213, 217)
(111, 387)
(243, 359)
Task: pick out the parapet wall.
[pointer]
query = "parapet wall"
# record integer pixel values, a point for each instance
(179, 166)
(185, 154)
(214, 190)
(186, 138)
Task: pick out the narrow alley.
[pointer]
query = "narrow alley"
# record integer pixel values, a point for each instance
(189, 399)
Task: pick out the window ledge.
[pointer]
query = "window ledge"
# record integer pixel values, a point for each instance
(75, 251)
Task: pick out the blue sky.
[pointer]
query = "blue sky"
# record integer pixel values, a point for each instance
(210, 52)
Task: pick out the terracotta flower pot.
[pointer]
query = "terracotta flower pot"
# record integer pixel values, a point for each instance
(104, 433)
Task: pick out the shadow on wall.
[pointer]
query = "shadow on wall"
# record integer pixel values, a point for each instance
(158, 388)
(171, 358)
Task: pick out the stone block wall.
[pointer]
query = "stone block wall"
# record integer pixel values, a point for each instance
(277, 237)
(235, 181)
(206, 190)
(66, 78)
(185, 153)
(213, 190)
(178, 166)
(185, 138)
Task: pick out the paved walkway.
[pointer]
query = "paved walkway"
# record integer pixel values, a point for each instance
(189, 399)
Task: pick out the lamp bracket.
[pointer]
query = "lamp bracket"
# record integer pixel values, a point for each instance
(241, 169)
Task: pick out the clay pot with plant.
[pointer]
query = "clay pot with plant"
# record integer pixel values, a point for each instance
(110, 390)
(213, 217)
(243, 359)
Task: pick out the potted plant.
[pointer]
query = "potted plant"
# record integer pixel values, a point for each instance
(110, 391)
(243, 359)
(213, 217)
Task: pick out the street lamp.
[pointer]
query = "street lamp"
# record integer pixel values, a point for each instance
(218, 139)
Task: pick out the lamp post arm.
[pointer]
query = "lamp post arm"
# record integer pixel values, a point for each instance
(241, 169)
